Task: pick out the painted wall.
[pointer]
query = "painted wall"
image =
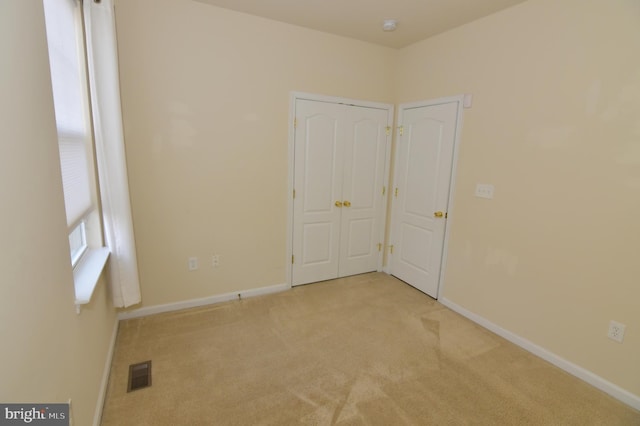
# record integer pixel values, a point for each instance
(205, 95)
(555, 127)
(556, 90)
(49, 354)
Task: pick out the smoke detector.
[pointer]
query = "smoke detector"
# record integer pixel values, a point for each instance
(389, 25)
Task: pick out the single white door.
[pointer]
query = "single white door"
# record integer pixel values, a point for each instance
(424, 154)
(362, 190)
(319, 145)
(340, 158)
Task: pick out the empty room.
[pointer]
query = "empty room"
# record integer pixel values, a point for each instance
(320, 212)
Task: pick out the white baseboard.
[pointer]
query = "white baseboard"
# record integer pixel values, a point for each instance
(571, 368)
(97, 417)
(169, 307)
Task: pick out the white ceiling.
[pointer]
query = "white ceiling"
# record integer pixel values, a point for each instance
(362, 19)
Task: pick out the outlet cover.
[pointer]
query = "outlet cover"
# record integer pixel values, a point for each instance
(616, 331)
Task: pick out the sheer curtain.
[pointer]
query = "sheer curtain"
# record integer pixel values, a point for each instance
(109, 140)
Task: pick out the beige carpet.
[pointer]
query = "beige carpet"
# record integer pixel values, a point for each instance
(363, 350)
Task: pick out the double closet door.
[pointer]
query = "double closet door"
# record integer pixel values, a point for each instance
(340, 167)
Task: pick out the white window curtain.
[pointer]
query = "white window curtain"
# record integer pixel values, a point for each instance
(109, 140)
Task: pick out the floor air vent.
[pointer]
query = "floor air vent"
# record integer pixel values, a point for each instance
(139, 376)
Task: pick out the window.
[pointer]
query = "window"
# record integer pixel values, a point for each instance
(82, 46)
(71, 102)
(69, 70)
(78, 242)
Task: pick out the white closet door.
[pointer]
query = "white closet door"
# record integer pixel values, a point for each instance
(319, 145)
(424, 155)
(363, 202)
(340, 155)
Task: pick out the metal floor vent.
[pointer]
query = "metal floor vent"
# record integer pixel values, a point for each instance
(139, 376)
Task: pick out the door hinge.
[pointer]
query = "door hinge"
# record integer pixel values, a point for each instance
(401, 128)
(384, 190)
(396, 193)
(295, 123)
(294, 193)
(388, 130)
(391, 249)
(292, 259)
(379, 246)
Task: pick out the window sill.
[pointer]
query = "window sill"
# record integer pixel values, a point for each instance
(87, 273)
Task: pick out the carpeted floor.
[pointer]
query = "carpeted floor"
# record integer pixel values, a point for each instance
(363, 350)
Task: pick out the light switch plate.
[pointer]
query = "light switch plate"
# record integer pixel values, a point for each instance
(467, 100)
(484, 190)
(193, 263)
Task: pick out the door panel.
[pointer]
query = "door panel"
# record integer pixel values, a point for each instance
(363, 165)
(424, 157)
(423, 162)
(360, 238)
(362, 225)
(414, 252)
(320, 145)
(317, 243)
(318, 181)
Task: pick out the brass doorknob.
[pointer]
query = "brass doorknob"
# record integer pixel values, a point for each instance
(338, 203)
(347, 203)
(438, 214)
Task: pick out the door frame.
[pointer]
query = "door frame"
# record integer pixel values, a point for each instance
(459, 99)
(295, 96)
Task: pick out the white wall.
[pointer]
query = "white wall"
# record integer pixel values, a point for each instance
(555, 127)
(205, 95)
(49, 354)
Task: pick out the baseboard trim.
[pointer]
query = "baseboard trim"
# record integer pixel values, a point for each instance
(193, 303)
(571, 368)
(97, 417)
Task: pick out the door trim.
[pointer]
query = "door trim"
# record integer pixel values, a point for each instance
(454, 171)
(291, 162)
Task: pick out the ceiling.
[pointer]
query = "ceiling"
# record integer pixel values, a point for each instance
(362, 19)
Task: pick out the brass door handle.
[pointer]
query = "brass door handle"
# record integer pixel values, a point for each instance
(438, 214)
(347, 203)
(338, 203)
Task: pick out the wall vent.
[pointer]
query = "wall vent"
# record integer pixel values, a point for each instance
(139, 376)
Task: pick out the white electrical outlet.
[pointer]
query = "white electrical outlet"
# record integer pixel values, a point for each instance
(484, 190)
(193, 263)
(616, 331)
(215, 260)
